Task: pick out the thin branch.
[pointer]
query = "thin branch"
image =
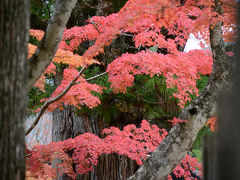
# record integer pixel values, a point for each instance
(95, 24)
(126, 34)
(59, 96)
(93, 7)
(94, 77)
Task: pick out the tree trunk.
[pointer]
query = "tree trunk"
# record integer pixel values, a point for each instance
(210, 160)
(229, 124)
(14, 26)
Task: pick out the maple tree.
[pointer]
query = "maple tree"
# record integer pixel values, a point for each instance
(150, 24)
(180, 69)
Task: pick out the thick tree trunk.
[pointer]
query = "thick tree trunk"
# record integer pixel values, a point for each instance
(229, 124)
(14, 25)
(66, 124)
(210, 160)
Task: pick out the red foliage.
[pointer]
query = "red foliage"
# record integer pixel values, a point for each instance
(176, 121)
(212, 124)
(186, 166)
(132, 142)
(180, 70)
(135, 143)
(79, 94)
(150, 22)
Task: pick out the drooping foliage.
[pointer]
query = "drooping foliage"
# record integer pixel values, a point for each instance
(135, 143)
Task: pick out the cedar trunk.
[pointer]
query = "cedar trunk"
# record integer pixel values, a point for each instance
(14, 24)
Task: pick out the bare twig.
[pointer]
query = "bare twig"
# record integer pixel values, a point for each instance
(59, 96)
(93, 7)
(94, 77)
(126, 34)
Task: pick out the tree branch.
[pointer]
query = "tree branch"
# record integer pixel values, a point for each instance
(94, 77)
(49, 44)
(93, 7)
(59, 96)
(95, 25)
(181, 137)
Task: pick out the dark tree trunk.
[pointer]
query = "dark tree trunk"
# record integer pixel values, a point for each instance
(14, 24)
(210, 159)
(229, 124)
(66, 124)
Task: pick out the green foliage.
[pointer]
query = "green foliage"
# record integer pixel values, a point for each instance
(153, 49)
(198, 142)
(33, 41)
(197, 145)
(197, 153)
(201, 83)
(42, 9)
(35, 95)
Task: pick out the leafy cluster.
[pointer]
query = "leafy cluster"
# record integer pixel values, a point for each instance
(135, 143)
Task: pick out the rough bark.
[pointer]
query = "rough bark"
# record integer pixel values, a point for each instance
(115, 167)
(14, 26)
(181, 137)
(49, 44)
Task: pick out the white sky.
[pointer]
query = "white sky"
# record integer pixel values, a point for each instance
(192, 43)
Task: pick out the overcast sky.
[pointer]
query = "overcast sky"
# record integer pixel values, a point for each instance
(192, 43)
